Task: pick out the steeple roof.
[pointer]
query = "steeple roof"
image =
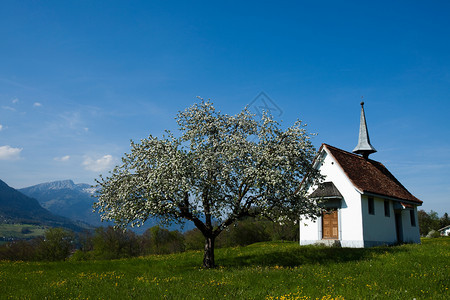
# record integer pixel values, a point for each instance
(364, 147)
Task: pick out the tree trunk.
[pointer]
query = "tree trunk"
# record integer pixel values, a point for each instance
(208, 258)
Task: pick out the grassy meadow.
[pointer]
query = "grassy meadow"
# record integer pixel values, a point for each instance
(271, 270)
(21, 231)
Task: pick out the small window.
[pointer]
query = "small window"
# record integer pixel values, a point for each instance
(413, 218)
(371, 206)
(387, 210)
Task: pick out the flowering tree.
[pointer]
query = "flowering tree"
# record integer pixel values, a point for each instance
(220, 169)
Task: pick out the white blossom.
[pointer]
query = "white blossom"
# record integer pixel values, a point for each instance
(219, 169)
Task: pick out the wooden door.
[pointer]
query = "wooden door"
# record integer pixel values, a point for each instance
(330, 225)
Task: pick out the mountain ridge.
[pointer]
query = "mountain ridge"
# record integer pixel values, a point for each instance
(75, 202)
(67, 199)
(16, 207)
(61, 184)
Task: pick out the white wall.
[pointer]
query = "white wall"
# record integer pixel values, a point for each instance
(378, 229)
(309, 231)
(411, 234)
(350, 219)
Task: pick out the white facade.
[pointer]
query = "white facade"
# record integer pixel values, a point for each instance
(445, 231)
(357, 226)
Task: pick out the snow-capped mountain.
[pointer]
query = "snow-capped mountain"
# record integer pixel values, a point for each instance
(67, 199)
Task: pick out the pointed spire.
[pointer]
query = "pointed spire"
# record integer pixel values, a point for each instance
(364, 147)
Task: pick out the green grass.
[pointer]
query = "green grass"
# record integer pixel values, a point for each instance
(15, 230)
(273, 270)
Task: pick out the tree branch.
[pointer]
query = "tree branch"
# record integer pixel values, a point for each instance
(187, 214)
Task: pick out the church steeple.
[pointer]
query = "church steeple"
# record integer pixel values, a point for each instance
(364, 147)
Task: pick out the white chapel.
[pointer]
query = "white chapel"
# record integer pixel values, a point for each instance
(364, 204)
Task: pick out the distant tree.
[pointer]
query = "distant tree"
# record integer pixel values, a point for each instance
(288, 231)
(85, 241)
(114, 243)
(194, 239)
(444, 221)
(157, 240)
(56, 245)
(245, 232)
(26, 230)
(25, 250)
(427, 221)
(220, 168)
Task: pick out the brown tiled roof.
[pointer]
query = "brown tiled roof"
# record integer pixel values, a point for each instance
(370, 176)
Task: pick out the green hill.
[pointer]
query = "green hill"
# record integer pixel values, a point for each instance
(20, 231)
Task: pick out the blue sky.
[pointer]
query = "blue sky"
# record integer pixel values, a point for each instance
(79, 79)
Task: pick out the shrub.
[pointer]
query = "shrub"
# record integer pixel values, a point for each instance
(433, 234)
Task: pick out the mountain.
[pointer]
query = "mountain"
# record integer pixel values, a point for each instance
(75, 201)
(67, 199)
(15, 207)
(60, 185)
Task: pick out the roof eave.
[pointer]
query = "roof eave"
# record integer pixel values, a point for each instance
(392, 198)
(328, 197)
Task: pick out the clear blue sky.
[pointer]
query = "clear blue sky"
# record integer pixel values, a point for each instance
(79, 79)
